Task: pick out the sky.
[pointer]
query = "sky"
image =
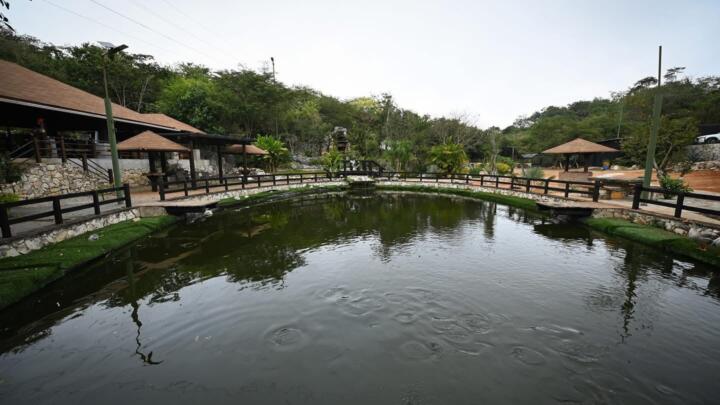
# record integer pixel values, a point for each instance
(487, 61)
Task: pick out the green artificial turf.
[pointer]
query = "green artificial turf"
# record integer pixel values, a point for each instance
(25, 274)
(659, 238)
(519, 202)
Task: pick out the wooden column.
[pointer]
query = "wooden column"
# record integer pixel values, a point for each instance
(567, 162)
(585, 162)
(163, 167)
(153, 179)
(193, 175)
(220, 161)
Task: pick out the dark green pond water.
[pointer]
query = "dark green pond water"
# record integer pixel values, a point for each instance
(389, 299)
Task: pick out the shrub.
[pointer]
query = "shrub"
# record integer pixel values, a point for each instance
(476, 170)
(503, 168)
(9, 172)
(674, 185)
(534, 173)
(8, 197)
(332, 161)
(449, 157)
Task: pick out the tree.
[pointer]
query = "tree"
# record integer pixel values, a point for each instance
(399, 154)
(277, 152)
(332, 160)
(193, 100)
(449, 157)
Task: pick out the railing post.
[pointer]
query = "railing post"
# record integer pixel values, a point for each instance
(527, 186)
(512, 182)
(185, 187)
(274, 180)
(128, 199)
(207, 186)
(226, 183)
(36, 148)
(596, 191)
(316, 178)
(4, 225)
(287, 178)
(161, 188)
(567, 190)
(437, 177)
(547, 186)
(637, 192)
(482, 180)
(259, 181)
(84, 163)
(679, 205)
(56, 211)
(497, 181)
(301, 178)
(96, 202)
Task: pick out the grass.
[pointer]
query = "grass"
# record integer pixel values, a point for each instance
(272, 194)
(519, 202)
(25, 274)
(659, 238)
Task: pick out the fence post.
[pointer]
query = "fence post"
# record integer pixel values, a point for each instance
(4, 225)
(567, 190)
(84, 163)
(482, 180)
(301, 178)
(274, 180)
(96, 202)
(128, 199)
(679, 206)
(259, 181)
(315, 177)
(161, 188)
(56, 211)
(287, 178)
(226, 184)
(36, 148)
(527, 186)
(437, 177)
(637, 192)
(207, 186)
(596, 191)
(185, 187)
(497, 181)
(512, 182)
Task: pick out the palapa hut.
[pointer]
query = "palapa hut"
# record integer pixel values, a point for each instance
(245, 149)
(581, 147)
(154, 145)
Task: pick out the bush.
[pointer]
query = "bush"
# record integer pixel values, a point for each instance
(674, 185)
(8, 197)
(534, 173)
(476, 170)
(9, 172)
(503, 168)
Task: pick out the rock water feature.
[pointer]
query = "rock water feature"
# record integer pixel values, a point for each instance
(380, 299)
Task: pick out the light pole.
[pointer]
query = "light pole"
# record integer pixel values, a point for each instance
(272, 60)
(111, 50)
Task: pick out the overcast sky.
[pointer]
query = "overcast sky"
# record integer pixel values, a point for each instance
(490, 60)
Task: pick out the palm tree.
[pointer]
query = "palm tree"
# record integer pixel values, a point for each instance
(277, 152)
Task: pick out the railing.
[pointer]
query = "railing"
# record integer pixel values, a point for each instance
(55, 147)
(526, 184)
(211, 184)
(679, 204)
(57, 209)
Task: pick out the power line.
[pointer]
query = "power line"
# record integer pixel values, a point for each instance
(151, 29)
(67, 10)
(176, 25)
(189, 17)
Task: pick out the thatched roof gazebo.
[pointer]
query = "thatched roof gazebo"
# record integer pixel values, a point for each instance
(580, 147)
(152, 144)
(245, 148)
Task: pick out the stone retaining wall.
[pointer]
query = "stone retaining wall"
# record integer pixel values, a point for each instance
(250, 191)
(705, 152)
(23, 245)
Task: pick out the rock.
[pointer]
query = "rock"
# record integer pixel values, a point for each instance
(679, 231)
(208, 213)
(93, 237)
(716, 242)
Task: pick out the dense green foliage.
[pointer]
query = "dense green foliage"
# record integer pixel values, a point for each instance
(249, 102)
(277, 152)
(449, 158)
(23, 275)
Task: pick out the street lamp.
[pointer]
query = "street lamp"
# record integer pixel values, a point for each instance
(110, 52)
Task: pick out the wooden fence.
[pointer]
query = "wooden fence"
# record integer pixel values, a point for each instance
(57, 209)
(640, 192)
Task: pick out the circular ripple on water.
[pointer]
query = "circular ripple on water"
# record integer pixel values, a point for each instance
(415, 350)
(406, 317)
(477, 323)
(286, 338)
(528, 356)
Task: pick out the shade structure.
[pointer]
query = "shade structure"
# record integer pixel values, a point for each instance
(249, 149)
(579, 146)
(149, 141)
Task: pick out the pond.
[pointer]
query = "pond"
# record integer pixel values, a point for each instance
(383, 299)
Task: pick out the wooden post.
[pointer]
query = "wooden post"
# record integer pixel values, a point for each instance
(84, 163)
(637, 192)
(4, 222)
(96, 202)
(679, 205)
(56, 210)
(185, 187)
(287, 177)
(567, 190)
(151, 163)
(163, 166)
(497, 181)
(36, 148)
(596, 191)
(193, 174)
(207, 186)
(512, 182)
(274, 180)
(161, 187)
(128, 199)
(63, 156)
(567, 162)
(547, 186)
(225, 180)
(527, 186)
(220, 162)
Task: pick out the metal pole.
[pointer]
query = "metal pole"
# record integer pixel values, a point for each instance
(117, 177)
(652, 143)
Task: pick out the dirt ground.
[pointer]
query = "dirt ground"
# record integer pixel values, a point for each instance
(699, 180)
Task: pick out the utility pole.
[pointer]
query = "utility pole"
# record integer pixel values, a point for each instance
(272, 60)
(117, 176)
(652, 143)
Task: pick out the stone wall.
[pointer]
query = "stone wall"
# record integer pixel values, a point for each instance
(46, 179)
(705, 152)
(23, 245)
(701, 231)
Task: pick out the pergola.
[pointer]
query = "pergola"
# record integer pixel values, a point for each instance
(152, 144)
(580, 147)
